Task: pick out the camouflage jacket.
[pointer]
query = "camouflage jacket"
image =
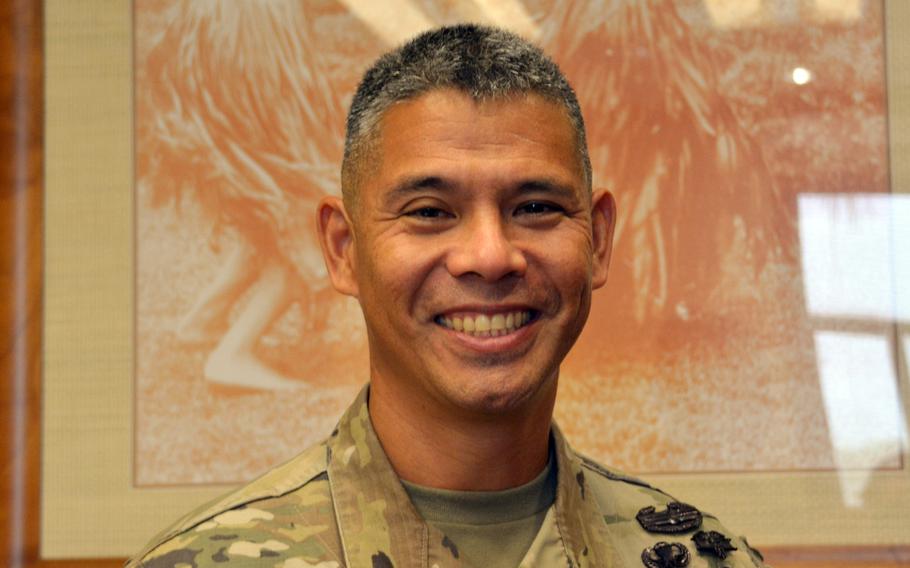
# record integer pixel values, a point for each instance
(340, 503)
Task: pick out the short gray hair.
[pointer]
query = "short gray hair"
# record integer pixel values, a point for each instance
(483, 62)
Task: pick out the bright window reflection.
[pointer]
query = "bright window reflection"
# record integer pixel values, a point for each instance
(737, 13)
(856, 255)
(509, 14)
(839, 9)
(395, 21)
(906, 341)
(862, 404)
(730, 13)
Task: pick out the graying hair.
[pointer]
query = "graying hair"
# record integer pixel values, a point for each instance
(484, 62)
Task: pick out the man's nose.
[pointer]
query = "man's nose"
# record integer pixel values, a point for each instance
(485, 248)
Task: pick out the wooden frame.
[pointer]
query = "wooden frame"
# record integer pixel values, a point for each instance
(21, 282)
(21, 227)
(21, 285)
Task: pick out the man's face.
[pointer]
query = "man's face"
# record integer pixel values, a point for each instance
(475, 249)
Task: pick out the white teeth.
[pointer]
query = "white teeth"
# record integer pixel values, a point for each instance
(483, 325)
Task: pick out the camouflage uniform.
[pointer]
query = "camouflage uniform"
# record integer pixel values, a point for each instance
(340, 503)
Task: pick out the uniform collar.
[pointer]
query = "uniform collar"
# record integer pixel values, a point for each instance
(579, 520)
(378, 523)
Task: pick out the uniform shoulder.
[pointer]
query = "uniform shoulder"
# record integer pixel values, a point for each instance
(608, 474)
(639, 514)
(613, 474)
(286, 513)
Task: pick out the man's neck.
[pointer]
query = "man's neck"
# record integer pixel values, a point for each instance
(429, 447)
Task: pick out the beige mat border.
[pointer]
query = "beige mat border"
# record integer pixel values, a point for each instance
(89, 506)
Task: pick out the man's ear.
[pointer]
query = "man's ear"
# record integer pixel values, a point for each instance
(336, 238)
(603, 222)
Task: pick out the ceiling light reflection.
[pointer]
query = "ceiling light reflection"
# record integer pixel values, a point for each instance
(801, 75)
(855, 252)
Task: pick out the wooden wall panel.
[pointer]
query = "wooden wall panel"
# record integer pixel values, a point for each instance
(21, 279)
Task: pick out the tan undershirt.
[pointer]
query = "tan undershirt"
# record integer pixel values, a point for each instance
(488, 528)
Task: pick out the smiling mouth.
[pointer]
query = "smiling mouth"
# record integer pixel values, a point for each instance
(487, 325)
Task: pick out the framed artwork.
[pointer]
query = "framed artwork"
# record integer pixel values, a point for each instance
(748, 354)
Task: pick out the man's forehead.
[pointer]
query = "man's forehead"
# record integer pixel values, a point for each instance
(446, 98)
(447, 119)
(447, 124)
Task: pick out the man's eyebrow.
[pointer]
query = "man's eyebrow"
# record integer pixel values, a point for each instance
(415, 184)
(547, 185)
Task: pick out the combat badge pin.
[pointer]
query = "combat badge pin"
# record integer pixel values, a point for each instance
(666, 555)
(677, 518)
(713, 542)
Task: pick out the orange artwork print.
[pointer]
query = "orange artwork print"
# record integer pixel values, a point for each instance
(701, 354)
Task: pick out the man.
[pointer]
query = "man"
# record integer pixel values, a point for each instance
(470, 235)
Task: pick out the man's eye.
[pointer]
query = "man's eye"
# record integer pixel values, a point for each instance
(538, 208)
(428, 213)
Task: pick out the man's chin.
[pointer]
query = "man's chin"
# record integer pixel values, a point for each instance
(494, 396)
